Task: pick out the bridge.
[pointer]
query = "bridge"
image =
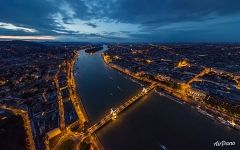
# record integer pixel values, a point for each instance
(114, 113)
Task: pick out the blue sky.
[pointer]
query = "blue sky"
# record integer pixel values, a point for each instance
(121, 20)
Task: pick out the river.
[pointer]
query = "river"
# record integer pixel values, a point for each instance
(152, 123)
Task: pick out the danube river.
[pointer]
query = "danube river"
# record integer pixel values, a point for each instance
(153, 123)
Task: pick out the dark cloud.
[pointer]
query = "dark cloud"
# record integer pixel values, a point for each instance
(81, 9)
(166, 11)
(31, 13)
(91, 24)
(36, 14)
(158, 19)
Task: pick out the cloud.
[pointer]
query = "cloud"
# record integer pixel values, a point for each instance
(94, 26)
(146, 20)
(14, 27)
(168, 11)
(27, 37)
(91, 24)
(30, 13)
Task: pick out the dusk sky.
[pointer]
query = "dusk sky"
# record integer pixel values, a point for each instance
(121, 20)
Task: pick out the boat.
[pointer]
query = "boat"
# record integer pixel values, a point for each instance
(119, 87)
(163, 147)
(205, 113)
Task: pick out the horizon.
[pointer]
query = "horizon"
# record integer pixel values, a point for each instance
(136, 42)
(121, 21)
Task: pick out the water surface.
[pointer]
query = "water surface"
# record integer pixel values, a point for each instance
(149, 124)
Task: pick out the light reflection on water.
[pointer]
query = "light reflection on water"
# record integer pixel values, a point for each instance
(151, 122)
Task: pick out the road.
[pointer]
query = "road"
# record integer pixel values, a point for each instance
(60, 106)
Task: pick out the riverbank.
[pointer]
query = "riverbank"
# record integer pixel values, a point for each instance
(200, 110)
(215, 115)
(94, 138)
(152, 121)
(73, 133)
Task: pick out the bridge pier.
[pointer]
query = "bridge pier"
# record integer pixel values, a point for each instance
(114, 114)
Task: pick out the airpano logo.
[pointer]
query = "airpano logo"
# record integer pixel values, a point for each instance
(223, 143)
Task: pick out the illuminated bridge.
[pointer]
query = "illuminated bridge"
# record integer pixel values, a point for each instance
(112, 115)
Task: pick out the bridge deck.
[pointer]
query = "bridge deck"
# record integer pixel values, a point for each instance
(119, 109)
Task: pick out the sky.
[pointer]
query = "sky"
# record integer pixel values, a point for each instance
(121, 20)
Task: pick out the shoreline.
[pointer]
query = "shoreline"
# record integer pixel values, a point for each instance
(76, 129)
(97, 143)
(203, 112)
(214, 116)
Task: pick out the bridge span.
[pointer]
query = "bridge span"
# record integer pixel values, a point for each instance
(109, 117)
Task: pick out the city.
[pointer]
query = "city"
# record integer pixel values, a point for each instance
(119, 75)
(54, 116)
(218, 90)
